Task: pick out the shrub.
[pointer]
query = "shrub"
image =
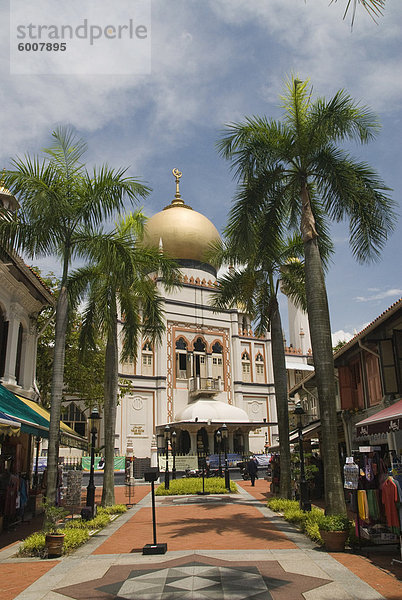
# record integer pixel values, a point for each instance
(74, 538)
(282, 504)
(192, 485)
(34, 545)
(116, 509)
(98, 522)
(333, 522)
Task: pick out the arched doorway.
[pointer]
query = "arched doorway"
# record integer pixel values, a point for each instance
(184, 442)
(202, 441)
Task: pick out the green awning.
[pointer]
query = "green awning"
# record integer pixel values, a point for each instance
(31, 421)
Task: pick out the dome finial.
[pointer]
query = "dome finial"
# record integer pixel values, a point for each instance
(177, 199)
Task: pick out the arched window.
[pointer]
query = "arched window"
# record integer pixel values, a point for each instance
(147, 359)
(245, 361)
(182, 362)
(259, 368)
(200, 358)
(76, 419)
(217, 361)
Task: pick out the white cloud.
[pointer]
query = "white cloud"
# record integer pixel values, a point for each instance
(341, 336)
(390, 293)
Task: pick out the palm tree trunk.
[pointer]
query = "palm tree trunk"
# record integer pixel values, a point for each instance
(56, 393)
(321, 341)
(281, 398)
(109, 411)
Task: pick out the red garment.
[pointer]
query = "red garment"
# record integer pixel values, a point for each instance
(389, 499)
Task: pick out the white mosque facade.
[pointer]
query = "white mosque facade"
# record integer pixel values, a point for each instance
(210, 368)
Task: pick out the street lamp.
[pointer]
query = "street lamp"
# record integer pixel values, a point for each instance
(225, 434)
(219, 440)
(94, 418)
(305, 503)
(174, 436)
(167, 439)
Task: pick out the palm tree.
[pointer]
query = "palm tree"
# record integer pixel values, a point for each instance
(62, 206)
(117, 281)
(254, 285)
(295, 170)
(375, 8)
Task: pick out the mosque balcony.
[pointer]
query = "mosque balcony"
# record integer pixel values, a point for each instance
(204, 386)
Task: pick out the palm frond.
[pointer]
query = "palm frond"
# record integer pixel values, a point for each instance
(375, 8)
(66, 152)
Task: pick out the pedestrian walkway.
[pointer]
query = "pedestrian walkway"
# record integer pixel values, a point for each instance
(219, 547)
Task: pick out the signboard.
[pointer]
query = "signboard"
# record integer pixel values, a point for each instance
(119, 463)
(382, 427)
(233, 459)
(182, 463)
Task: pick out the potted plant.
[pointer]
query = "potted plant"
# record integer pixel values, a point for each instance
(54, 539)
(334, 531)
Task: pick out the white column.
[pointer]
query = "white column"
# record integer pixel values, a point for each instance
(12, 343)
(211, 441)
(193, 438)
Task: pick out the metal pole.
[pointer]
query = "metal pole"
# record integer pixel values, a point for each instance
(227, 477)
(153, 510)
(220, 462)
(167, 465)
(174, 455)
(305, 503)
(91, 485)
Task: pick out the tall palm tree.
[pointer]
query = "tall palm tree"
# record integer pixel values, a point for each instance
(61, 207)
(375, 8)
(116, 280)
(296, 170)
(254, 284)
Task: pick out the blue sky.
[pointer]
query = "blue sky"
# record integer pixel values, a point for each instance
(213, 62)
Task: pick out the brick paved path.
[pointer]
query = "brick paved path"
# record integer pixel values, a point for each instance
(223, 548)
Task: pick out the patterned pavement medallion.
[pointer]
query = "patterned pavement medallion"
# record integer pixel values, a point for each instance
(196, 578)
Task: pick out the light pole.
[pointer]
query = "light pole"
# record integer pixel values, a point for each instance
(219, 440)
(167, 438)
(305, 503)
(266, 442)
(225, 434)
(94, 418)
(174, 436)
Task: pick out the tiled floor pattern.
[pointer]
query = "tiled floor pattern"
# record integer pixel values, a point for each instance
(196, 578)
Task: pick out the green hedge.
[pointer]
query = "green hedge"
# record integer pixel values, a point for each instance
(192, 485)
(34, 545)
(76, 532)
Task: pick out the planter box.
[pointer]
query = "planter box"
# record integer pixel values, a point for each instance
(334, 541)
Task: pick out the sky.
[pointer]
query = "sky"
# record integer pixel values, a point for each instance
(213, 62)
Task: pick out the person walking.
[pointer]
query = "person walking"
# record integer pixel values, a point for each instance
(252, 468)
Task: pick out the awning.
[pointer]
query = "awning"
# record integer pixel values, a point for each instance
(309, 431)
(31, 421)
(385, 421)
(68, 437)
(8, 426)
(296, 366)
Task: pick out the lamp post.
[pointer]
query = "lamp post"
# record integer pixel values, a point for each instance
(167, 438)
(266, 442)
(225, 434)
(219, 440)
(94, 417)
(305, 503)
(174, 436)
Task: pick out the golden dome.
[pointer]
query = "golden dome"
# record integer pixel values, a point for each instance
(184, 233)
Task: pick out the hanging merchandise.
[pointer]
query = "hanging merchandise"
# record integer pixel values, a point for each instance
(351, 474)
(377, 497)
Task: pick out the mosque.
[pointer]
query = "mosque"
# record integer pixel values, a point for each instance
(210, 369)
